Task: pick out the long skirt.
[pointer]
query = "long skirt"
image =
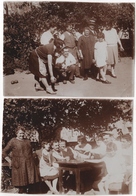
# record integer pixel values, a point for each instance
(112, 54)
(37, 66)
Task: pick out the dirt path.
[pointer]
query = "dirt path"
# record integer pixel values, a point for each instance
(123, 86)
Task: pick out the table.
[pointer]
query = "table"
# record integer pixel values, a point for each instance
(76, 167)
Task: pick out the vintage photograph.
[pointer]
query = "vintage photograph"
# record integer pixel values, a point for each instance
(67, 146)
(68, 49)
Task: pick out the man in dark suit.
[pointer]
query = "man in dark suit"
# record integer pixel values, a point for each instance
(91, 25)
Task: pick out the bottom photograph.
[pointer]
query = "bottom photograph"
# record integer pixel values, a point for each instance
(67, 146)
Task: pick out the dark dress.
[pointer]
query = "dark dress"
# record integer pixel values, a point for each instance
(41, 52)
(24, 171)
(86, 45)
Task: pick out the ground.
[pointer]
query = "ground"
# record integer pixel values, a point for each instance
(122, 86)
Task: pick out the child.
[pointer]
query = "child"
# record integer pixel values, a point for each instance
(100, 55)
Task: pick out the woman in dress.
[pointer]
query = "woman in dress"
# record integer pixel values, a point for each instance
(86, 50)
(47, 171)
(112, 39)
(40, 64)
(24, 171)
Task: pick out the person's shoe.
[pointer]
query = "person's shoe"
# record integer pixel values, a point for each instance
(64, 81)
(57, 83)
(79, 76)
(38, 87)
(98, 80)
(85, 78)
(50, 91)
(54, 89)
(114, 76)
(106, 82)
(72, 81)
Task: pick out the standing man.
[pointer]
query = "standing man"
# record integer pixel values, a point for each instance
(92, 28)
(49, 34)
(70, 43)
(93, 33)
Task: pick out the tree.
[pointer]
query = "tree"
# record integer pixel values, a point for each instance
(48, 116)
(23, 28)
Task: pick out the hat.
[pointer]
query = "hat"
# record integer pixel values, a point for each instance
(65, 49)
(107, 133)
(92, 22)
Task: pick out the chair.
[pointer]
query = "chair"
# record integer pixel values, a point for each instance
(115, 187)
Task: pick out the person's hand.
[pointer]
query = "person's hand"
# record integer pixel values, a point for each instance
(121, 48)
(53, 79)
(10, 165)
(9, 161)
(81, 56)
(92, 157)
(94, 61)
(67, 158)
(64, 66)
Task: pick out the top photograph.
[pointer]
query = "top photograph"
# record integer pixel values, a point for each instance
(68, 49)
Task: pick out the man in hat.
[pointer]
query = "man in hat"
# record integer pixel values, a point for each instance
(92, 28)
(93, 32)
(70, 43)
(67, 62)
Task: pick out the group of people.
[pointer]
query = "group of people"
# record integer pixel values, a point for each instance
(116, 154)
(64, 56)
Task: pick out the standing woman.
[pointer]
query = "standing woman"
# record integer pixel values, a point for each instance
(112, 39)
(40, 64)
(24, 171)
(86, 49)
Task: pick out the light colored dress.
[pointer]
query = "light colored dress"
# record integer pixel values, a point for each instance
(45, 167)
(115, 169)
(100, 53)
(112, 38)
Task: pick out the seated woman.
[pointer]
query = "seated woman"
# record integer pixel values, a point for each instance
(83, 149)
(100, 150)
(47, 171)
(115, 167)
(39, 58)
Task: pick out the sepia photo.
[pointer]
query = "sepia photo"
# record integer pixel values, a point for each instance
(68, 98)
(67, 146)
(68, 49)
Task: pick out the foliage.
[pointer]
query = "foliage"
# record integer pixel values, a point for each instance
(22, 31)
(48, 116)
